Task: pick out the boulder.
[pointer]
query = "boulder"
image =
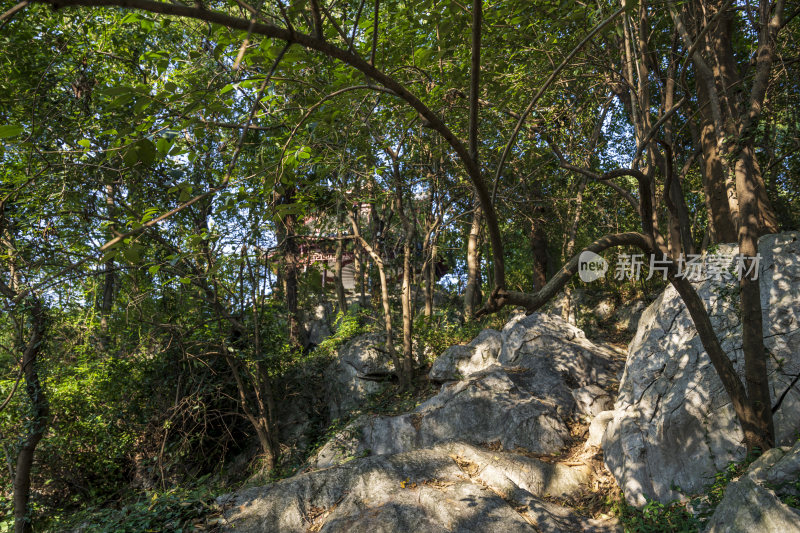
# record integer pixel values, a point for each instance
(539, 340)
(605, 308)
(627, 316)
(487, 407)
(523, 400)
(673, 423)
(592, 400)
(754, 501)
(316, 324)
(357, 372)
(449, 487)
(458, 362)
(597, 427)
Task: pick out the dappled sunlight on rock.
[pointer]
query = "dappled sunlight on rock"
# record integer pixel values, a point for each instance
(674, 426)
(464, 460)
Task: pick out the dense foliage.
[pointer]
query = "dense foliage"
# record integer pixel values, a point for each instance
(166, 181)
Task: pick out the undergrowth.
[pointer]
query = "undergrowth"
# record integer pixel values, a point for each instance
(177, 510)
(679, 516)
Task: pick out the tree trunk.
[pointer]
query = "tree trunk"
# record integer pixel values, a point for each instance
(430, 278)
(387, 308)
(37, 419)
(721, 219)
(755, 357)
(260, 420)
(408, 351)
(733, 128)
(569, 248)
(360, 267)
(541, 257)
(287, 237)
(472, 292)
(340, 295)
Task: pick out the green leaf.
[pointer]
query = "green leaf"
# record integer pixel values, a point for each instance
(133, 253)
(186, 192)
(631, 5)
(109, 255)
(143, 151)
(163, 145)
(149, 215)
(154, 269)
(86, 143)
(10, 130)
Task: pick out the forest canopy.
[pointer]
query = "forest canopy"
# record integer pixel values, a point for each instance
(182, 182)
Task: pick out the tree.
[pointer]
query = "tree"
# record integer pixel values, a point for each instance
(516, 121)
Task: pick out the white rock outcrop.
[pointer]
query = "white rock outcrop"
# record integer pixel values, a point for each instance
(673, 424)
(515, 387)
(754, 502)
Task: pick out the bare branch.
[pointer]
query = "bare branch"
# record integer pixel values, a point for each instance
(512, 139)
(8, 15)
(375, 33)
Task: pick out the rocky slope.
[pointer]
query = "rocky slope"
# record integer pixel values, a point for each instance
(465, 459)
(754, 502)
(487, 452)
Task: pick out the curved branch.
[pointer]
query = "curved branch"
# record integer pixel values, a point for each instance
(531, 302)
(13, 390)
(563, 163)
(645, 204)
(545, 86)
(319, 103)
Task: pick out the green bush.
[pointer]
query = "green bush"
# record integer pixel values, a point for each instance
(173, 511)
(655, 517)
(437, 334)
(346, 326)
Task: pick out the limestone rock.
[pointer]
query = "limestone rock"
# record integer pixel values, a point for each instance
(597, 428)
(592, 400)
(449, 465)
(358, 371)
(449, 487)
(489, 406)
(605, 308)
(316, 324)
(627, 316)
(524, 400)
(530, 341)
(458, 362)
(673, 423)
(752, 503)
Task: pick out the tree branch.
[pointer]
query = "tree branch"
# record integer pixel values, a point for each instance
(563, 163)
(474, 80)
(531, 302)
(545, 86)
